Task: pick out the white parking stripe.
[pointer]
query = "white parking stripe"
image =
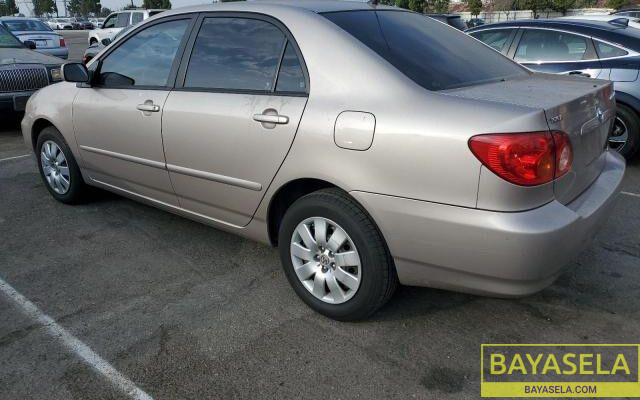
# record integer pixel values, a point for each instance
(74, 344)
(14, 158)
(631, 194)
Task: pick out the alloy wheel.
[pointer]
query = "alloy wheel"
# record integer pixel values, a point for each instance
(326, 260)
(619, 135)
(55, 167)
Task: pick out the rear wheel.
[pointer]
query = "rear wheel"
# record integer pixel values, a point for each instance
(58, 168)
(625, 134)
(334, 256)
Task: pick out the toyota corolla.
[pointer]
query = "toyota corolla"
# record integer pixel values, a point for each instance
(373, 146)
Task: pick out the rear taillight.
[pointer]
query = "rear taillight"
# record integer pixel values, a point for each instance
(527, 159)
(62, 43)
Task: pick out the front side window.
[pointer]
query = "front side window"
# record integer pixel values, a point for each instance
(607, 51)
(497, 38)
(110, 22)
(235, 54)
(433, 55)
(123, 20)
(546, 45)
(144, 59)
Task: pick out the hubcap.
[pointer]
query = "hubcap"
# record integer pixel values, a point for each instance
(55, 167)
(619, 135)
(326, 260)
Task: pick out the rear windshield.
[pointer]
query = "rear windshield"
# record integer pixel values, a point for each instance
(22, 25)
(432, 54)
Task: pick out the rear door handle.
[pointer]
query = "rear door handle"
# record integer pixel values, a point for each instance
(271, 119)
(148, 107)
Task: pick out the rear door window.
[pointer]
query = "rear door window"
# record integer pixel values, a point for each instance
(548, 45)
(498, 39)
(136, 17)
(235, 54)
(290, 77)
(430, 53)
(123, 20)
(608, 51)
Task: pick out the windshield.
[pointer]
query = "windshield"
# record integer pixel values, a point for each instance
(7, 40)
(26, 25)
(432, 54)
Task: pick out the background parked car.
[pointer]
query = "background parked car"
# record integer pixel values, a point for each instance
(629, 12)
(611, 18)
(22, 71)
(84, 23)
(60, 24)
(96, 48)
(31, 29)
(97, 22)
(579, 47)
(454, 20)
(115, 22)
(473, 22)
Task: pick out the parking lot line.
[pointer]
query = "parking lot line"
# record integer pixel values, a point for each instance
(74, 344)
(631, 194)
(14, 158)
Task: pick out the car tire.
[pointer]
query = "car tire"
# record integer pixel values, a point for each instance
(339, 214)
(62, 178)
(628, 120)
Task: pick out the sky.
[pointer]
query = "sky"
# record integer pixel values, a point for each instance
(26, 5)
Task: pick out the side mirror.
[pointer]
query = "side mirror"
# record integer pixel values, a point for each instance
(106, 41)
(30, 44)
(75, 72)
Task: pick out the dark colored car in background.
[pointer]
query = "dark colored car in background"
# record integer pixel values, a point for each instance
(454, 20)
(84, 23)
(473, 22)
(23, 71)
(595, 49)
(629, 12)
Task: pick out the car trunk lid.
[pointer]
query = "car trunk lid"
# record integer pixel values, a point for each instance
(43, 40)
(582, 108)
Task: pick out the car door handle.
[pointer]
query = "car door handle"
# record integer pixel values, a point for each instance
(148, 107)
(271, 119)
(579, 73)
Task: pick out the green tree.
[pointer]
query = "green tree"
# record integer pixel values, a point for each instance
(162, 4)
(402, 4)
(8, 8)
(475, 6)
(562, 6)
(42, 7)
(83, 7)
(417, 5)
(104, 12)
(536, 6)
(439, 6)
(618, 4)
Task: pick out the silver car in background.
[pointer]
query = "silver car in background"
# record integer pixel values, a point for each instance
(32, 29)
(349, 135)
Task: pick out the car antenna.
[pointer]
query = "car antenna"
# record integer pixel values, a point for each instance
(620, 21)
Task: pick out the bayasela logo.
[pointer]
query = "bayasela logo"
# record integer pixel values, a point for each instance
(560, 370)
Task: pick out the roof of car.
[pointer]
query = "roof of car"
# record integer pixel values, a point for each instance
(586, 23)
(318, 6)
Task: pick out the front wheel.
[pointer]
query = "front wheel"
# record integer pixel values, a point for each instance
(334, 256)
(58, 168)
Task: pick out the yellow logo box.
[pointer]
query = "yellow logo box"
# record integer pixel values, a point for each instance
(560, 370)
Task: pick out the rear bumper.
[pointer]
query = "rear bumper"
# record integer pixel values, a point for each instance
(487, 252)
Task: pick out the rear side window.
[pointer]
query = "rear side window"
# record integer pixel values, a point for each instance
(607, 51)
(434, 55)
(497, 38)
(136, 17)
(290, 77)
(123, 20)
(235, 54)
(547, 45)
